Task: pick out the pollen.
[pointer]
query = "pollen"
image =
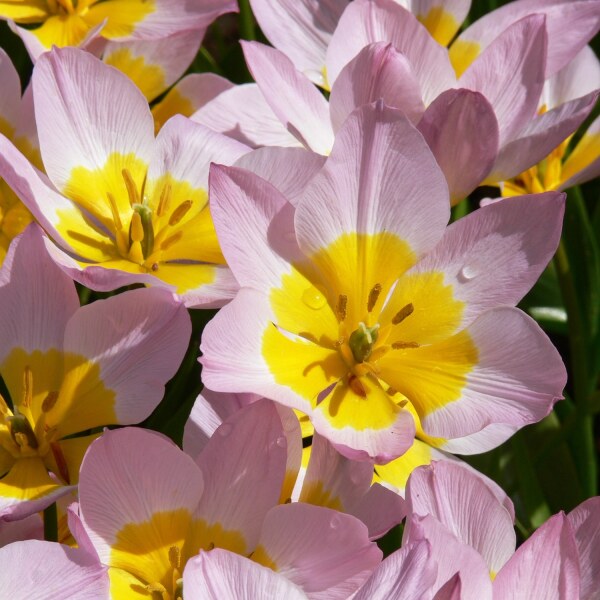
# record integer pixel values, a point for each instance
(341, 307)
(356, 386)
(180, 212)
(132, 191)
(402, 345)
(403, 313)
(373, 297)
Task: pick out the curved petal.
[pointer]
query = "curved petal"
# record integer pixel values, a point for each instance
(292, 97)
(585, 521)
(10, 98)
(223, 575)
(60, 572)
(408, 573)
(243, 114)
(137, 340)
(366, 21)
(29, 528)
(317, 548)
(510, 74)
(243, 466)
(545, 565)
(301, 29)
(378, 71)
(87, 111)
(461, 501)
(469, 117)
(509, 242)
(37, 299)
(127, 477)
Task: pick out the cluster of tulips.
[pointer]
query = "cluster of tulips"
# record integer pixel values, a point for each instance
(339, 245)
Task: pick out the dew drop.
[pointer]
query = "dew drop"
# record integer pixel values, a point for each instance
(313, 298)
(225, 429)
(335, 522)
(281, 441)
(467, 273)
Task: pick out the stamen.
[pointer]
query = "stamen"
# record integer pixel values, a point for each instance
(211, 546)
(356, 386)
(4, 410)
(61, 462)
(49, 401)
(145, 235)
(114, 210)
(170, 241)
(403, 313)
(21, 432)
(373, 297)
(154, 266)
(340, 309)
(132, 191)
(165, 200)
(175, 557)
(180, 212)
(361, 341)
(401, 345)
(27, 387)
(136, 229)
(392, 391)
(157, 591)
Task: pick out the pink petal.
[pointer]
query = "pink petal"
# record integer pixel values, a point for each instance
(378, 71)
(11, 90)
(545, 566)
(37, 299)
(243, 114)
(466, 116)
(510, 74)
(34, 570)
(138, 339)
(378, 158)
(318, 548)
(585, 521)
(301, 29)
(451, 590)
(86, 111)
(127, 476)
(243, 465)
(461, 501)
(495, 255)
(296, 102)
(408, 573)
(541, 135)
(29, 528)
(223, 575)
(368, 21)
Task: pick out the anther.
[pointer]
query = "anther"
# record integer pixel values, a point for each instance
(341, 307)
(154, 266)
(49, 401)
(356, 386)
(171, 240)
(403, 313)
(180, 212)
(175, 557)
(132, 191)
(136, 229)
(27, 387)
(114, 210)
(373, 297)
(401, 345)
(21, 432)
(144, 232)
(165, 200)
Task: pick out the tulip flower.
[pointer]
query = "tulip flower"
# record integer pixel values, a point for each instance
(365, 303)
(69, 369)
(124, 208)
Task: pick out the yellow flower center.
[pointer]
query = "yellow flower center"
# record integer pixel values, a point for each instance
(68, 7)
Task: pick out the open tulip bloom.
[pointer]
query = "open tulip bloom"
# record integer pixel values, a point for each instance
(123, 207)
(69, 369)
(357, 303)
(147, 508)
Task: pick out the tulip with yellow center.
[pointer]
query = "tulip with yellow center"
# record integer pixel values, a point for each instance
(69, 369)
(123, 207)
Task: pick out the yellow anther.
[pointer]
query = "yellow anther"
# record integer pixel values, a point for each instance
(401, 345)
(115, 211)
(4, 410)
(180, 212)
(171, 240)
(341, 307)
(404, 312)
(136, 254)
(373, 297)
(165, 200)
(49, 401)
(132, 191)
(136, 229)
(27, 387)
(175, 557)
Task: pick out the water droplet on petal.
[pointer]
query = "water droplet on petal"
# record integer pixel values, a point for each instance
(281, 441)
(335, 522)
(225, 429)
(467, 273)
(313, 298)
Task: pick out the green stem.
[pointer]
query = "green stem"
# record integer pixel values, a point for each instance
(247, 31)
(583, 435)
(51, 523)
(210, 60)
